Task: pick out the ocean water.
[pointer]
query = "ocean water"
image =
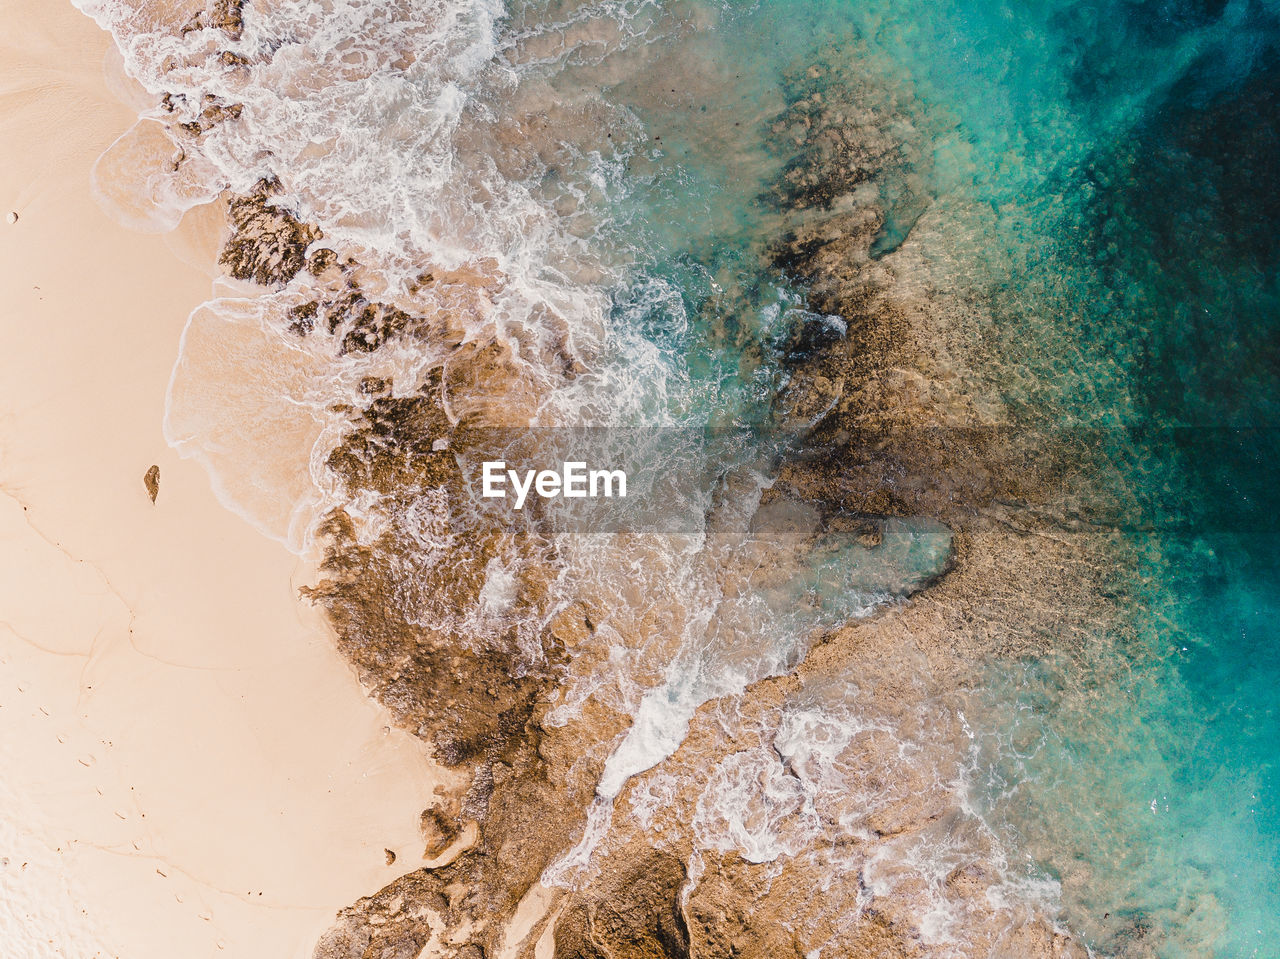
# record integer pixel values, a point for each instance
(1102, 175)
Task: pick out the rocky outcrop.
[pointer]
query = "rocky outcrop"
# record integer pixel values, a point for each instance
(398, 922)
(224, 15)
(268, 244)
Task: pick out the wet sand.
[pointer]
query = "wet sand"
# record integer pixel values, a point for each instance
(196, 769)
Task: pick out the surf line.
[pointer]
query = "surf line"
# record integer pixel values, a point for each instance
(572, 481)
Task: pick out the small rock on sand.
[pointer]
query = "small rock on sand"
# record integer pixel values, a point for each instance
(152, 482)
(391, 856)
(12, 217)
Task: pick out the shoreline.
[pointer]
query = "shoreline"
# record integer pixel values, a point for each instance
(209, 777)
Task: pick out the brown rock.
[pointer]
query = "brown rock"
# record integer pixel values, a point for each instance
(571, 626)
(635, 913)
(151, 480)
(268, 244)
(438, 831)
(228, 16)
(322, 262)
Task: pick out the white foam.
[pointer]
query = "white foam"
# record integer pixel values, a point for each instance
(753, 806)
(498, 593)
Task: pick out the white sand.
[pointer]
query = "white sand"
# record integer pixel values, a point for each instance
(187, 767)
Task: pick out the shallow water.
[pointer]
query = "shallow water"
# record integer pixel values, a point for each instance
(1101, 175)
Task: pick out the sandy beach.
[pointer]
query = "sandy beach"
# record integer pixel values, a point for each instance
(187, 767)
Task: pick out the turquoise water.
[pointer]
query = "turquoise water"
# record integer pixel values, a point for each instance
(1109, 174)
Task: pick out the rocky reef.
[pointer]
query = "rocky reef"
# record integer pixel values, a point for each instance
(913, 409)
(912, 417)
